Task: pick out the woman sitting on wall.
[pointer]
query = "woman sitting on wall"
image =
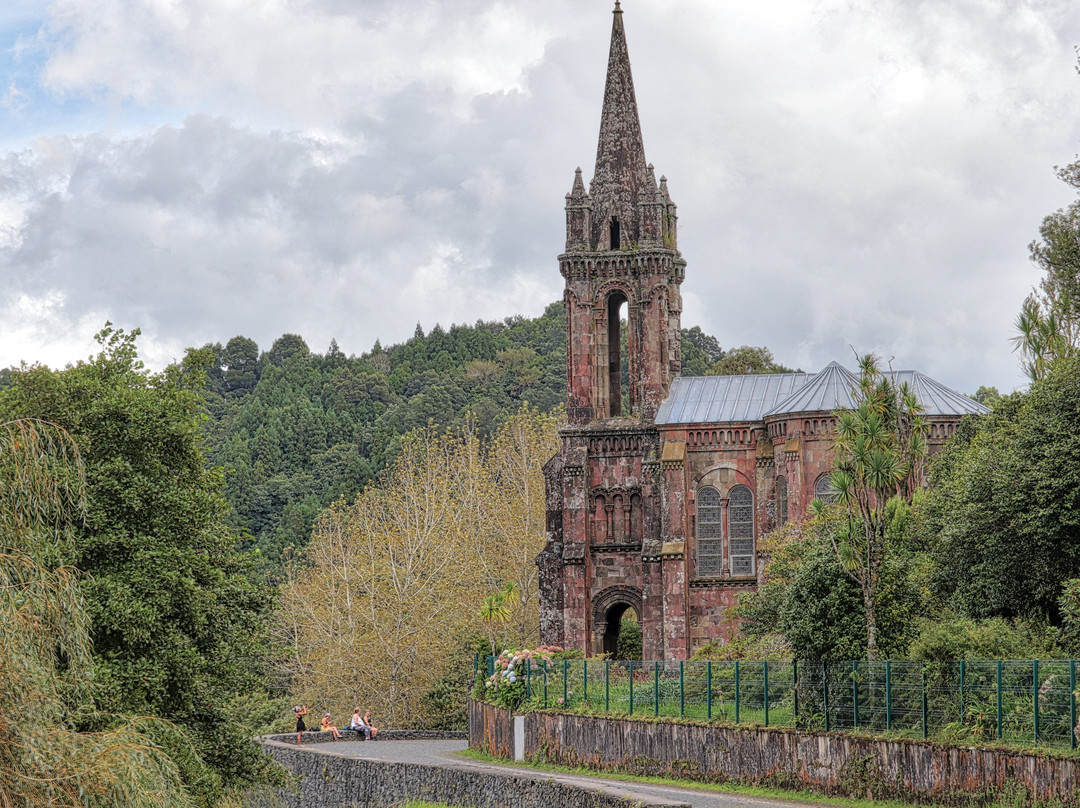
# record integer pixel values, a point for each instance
(327, 726)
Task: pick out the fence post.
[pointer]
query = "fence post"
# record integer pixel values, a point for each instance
(855, 692)
(528, 679)
(475, 667)
(682, 690)
(795, 691)
(607, 685)
(1072, 703)
(708, 687)
(491, 666)
(585, 680)
(962, 670)
(825, 692)
(545, 683)
(631, 663)
(999, 699)
(1035, 693)
(888, 695)
(924, 701)
(765, 677)
(656, 687)
(736, 691)
(565, 688)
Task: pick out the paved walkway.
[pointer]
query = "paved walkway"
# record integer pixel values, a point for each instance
(443, 753)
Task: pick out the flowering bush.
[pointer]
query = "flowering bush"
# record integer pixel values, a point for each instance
(506, 687)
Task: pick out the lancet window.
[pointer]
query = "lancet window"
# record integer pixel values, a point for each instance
(710, 532)
(741, 531)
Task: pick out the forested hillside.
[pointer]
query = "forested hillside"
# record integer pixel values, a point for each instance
(297, 430)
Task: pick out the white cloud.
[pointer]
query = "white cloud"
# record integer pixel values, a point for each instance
(858, 173)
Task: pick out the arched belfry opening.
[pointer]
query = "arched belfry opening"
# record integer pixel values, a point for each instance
(613, 233)
(617, 358)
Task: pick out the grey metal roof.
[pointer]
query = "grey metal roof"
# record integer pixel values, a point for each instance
(936, 398)
(717, 399)
(725, 399)
(830, 389)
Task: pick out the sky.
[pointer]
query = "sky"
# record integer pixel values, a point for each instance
(851, 175)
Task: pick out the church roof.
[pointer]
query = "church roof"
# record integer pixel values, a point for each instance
(717, 399)
(831, 389)
(936, 398)
(721, 399)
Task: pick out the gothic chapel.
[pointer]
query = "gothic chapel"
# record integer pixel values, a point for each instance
(657, 498)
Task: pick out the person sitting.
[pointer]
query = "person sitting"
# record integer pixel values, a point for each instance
(367, 723)
(327, 726)
(357, 724)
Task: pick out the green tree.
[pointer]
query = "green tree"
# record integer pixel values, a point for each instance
(809, 601)
(989, 397)
(880, 447)
(700, 351)
(240, 366)
(746, 360)
(1048, 325)
(46, 669)
(1004, 505)
(177, 618)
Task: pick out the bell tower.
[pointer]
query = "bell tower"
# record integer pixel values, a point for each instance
(621, 262)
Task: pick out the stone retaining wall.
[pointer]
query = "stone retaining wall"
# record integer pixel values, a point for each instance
(331, 780)
(389, 735)
(829, 763)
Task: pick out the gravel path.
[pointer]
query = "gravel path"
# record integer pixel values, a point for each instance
(443, 753)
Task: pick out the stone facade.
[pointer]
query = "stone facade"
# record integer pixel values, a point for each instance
(658, 496)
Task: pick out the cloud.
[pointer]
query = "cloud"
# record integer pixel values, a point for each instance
(848, 173)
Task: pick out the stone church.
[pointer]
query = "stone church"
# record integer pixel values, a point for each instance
(658, 498)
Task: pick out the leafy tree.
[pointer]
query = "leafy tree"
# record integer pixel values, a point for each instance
(400, 570)
(240, 366)
(287, 347)
(746, 360)
(809, 601)
(989, 397)
(880, 446)
(1005, 503)
(176, 617)
(700, 351)
(46, 668)
(1048, 325)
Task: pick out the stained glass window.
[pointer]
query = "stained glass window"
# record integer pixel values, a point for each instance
(823, 488)
(781, 501)
(710, 533)
(741, 530)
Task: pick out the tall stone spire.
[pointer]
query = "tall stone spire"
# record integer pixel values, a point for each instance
(621, 264)
(620, 174)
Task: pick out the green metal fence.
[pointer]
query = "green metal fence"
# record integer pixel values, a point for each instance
(1021, 702)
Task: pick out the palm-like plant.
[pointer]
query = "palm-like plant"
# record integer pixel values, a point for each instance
(880, 447)
(497, 609)
(1041, 337)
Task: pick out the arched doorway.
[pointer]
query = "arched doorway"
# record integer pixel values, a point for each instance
(612, 608)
